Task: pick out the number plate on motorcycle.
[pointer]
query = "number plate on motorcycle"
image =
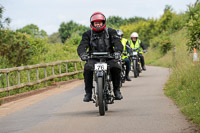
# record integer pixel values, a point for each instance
(134, 53)
(100, 66)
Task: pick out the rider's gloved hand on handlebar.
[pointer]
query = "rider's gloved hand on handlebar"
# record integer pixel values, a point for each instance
(117, 55)
(145, 51)
(84, 57)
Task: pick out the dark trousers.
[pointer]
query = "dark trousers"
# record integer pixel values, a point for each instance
(142, 59)
(128, 65)
(115, 70)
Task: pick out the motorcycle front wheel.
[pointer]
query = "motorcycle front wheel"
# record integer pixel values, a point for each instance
(101, 100)
(135, 72)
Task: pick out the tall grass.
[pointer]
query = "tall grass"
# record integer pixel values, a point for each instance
(183, 85)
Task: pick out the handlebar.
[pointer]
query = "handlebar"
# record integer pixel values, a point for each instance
(135, 49)
(101, 55)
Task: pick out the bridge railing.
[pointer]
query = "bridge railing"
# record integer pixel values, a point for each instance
(34, 70)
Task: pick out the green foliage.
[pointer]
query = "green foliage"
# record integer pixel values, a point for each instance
(168, 23)
(116, 21)
(183, 84)
(75, 39)
(17, 48)
(54, 38)
(67, 29)
(3, 21)
(143, 28)
(162, 42)
(133, 20)
(33, 30)
(194, 26)
(55, 52)
(165, 19)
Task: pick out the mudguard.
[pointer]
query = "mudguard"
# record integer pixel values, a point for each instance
(100, 74)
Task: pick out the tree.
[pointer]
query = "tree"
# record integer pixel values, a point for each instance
(16, 48)
(54, 38)
(2, 20)
(114, 21)
(66, 29)
(193, 26)
(33, 30)
(165, 19)
(133, 20)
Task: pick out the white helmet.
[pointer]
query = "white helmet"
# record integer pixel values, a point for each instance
(134, 34)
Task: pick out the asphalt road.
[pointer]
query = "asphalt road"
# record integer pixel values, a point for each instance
(144, 109)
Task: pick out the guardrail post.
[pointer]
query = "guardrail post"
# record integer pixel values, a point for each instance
(28, 76)
(37, 76)
(7, 83)
(0, 81)
(18, 77)
(45, 75)
(59, 68)
(75, 66)
(60, 71)
(66, 68)
(52, 69)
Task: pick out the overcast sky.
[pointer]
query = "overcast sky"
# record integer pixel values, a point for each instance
(49, 14)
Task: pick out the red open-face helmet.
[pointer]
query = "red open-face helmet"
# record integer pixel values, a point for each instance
(97, 16)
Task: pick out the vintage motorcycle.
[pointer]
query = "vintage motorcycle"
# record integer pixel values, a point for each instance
(137, 69)
(123, 71)
(103, 92)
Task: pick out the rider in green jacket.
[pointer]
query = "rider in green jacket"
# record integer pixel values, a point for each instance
(137, 43)
(125, 54)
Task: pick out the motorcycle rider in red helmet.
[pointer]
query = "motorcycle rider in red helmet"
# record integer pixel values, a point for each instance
(100, 39)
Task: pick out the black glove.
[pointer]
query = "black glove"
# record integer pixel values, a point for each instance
(117, 55)
(84, 57)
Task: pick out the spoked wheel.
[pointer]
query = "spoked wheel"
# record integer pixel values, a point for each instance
(101, 100)
(122, 77)
(135, 71)
(138, 70)
(138, 73)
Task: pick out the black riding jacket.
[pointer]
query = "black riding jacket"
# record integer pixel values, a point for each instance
(103, 41)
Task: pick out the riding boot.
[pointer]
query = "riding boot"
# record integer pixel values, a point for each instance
(144, 68)
(115, 72)
(142, 62)
(118, 95)
(127, 77)
(87, 97)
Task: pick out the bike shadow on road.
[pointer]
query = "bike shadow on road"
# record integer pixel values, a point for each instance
(90, 113)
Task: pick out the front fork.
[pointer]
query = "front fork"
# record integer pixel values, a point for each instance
(109, 98)
(134, 59)
(95, 90)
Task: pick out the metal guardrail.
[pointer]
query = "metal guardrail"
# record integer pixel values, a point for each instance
(36, 67)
